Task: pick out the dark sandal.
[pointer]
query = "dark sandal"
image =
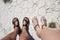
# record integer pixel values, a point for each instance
(13, 21)
(26, 22)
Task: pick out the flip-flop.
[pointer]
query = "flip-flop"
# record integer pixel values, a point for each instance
(35, 20)
(45, 20)
(26, 22)
(13, 22)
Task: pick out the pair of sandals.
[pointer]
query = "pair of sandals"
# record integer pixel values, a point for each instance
(15, 22)
(36, 24)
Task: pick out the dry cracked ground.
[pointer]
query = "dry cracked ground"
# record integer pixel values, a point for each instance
(29, 8)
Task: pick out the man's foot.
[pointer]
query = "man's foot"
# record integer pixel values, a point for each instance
(44, 22)
(35, 22)
(15, 22)
(26, 22)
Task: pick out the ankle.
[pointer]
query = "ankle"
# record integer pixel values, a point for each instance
(24, 28)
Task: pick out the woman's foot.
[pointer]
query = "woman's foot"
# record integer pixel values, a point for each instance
(35, 22)
(26, 22)
(15, 22)
(44, 22)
